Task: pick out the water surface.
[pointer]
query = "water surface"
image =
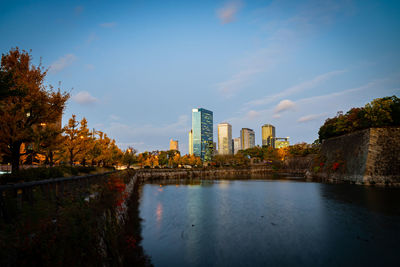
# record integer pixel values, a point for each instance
(270, 223)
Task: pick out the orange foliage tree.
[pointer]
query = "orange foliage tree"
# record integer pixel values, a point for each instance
(25, 102)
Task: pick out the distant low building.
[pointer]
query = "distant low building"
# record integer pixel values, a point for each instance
(173, 145)
(281, 142)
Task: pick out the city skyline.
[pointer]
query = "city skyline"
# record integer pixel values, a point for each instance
(288, 63)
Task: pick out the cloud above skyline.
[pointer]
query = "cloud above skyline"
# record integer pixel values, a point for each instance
(84, 98)
(311, 117)
(284, 105)
(108, 25)
(298, 88)
(78, 10)
(229, 87)
(62, 63)
(227, 13)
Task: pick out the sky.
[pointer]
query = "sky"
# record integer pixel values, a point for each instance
(135, 69)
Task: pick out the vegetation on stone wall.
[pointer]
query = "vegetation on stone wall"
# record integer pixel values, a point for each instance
(80, 229)
(379, 113)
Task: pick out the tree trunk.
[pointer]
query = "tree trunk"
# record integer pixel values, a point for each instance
(71, 157)
(51, 159)
(15, 155)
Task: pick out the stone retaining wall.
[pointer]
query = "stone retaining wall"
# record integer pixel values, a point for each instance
(206, 173)
(370, 156)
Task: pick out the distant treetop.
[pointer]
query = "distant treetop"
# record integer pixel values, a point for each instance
(379, 113)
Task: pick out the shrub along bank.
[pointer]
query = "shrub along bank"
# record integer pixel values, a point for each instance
(43, 173)
(84, 228)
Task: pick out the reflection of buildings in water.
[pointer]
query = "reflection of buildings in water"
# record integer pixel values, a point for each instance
(224, 184)
(159, 213)
(193, 219)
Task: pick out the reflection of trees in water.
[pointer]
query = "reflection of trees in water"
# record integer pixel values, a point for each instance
(205, 181)
(376, 199)
(130, 243)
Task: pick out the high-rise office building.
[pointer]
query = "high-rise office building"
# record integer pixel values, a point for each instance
(224, 139)
(247, 138)
(173, 145)
(191, 142)
(268, 135)
(202, 127)
(237, 145)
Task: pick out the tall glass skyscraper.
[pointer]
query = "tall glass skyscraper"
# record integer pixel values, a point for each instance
(202, 127)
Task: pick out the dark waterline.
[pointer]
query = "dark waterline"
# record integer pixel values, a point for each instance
(270, 223)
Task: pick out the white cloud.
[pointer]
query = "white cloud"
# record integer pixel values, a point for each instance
(84, 97)
(108, 24)
(284, 105)
(311, 117)
(114, 117)
(252, 114)
(89, 66)
(62, 63)
(91, 38)
(227, 13)
(239, 80)
(295, 89)
(78, 10)
(152, 134)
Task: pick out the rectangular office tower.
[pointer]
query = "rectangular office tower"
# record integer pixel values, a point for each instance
(268, 135)
(202, 127)
(224, 139)
(247, 138)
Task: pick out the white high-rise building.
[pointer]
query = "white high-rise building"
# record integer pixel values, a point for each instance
(191, 142)
(225, 139)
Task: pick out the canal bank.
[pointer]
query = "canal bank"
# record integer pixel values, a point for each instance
(365, 157)
(210, 173)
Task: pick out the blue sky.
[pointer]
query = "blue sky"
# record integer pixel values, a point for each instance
(135, 69)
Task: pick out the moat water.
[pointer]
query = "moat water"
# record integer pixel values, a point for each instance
(277, 222)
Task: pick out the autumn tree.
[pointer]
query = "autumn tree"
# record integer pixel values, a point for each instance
(85, 142)
(163, 158)
(25, 102)
(129, 157)
(380, 112)
(73, 141)
(48, 141)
